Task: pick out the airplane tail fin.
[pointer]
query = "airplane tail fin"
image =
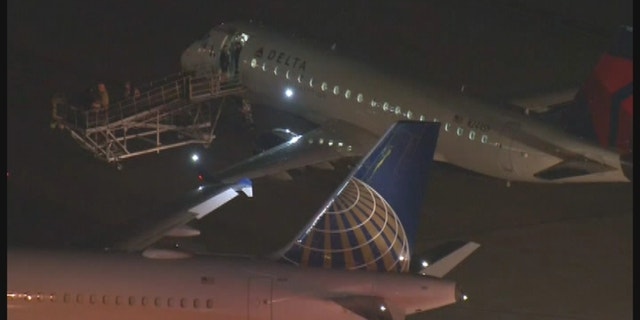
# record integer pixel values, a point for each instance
(370, 221)
(605, 101)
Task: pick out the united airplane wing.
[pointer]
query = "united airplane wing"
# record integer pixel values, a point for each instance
(333, 140)
(174, 218)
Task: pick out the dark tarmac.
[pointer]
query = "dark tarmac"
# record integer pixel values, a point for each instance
(548, 251)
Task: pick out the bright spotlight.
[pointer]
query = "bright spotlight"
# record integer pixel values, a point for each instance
(288, 92)
(195, 158)
(425, 263)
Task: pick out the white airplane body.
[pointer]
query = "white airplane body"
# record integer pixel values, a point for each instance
(92, 286)
(326, 88)
(351, 261)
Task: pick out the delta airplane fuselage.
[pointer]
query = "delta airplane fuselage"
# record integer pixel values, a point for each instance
(319, 84)
(43, 285)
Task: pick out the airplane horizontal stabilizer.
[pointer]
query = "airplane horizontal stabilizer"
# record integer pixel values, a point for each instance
(545, 102)
(573, 162)
(572, 168)
(445, 257)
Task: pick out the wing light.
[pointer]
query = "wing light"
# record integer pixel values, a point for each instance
(288, 92)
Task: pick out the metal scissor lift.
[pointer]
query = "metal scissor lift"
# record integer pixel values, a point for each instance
(180, 111)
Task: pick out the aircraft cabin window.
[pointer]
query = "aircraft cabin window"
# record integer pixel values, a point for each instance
(374, 103)
(311, 82)
(275, 70)
(254, 63)
(385, 106)
(459, 131)
(67, 297)
(209, 303)
(286, 75)
(423, 118)
(300, 78)
(93, 299)
(184, 302)
(324, 86)
(79, 298)
(144, 301)
(118, 300)
(52, 297)
(472, 135)
(347, 94)
(158, 302)
(132, 300)
(484, 138)
(398, 110)
(409, 114)
(105, 299)
(196, 303)
(360, 97)
(447, 126)
(38, 296)
(336, 90)
(171, 302)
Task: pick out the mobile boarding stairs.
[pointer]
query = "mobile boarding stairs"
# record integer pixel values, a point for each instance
(179, 110)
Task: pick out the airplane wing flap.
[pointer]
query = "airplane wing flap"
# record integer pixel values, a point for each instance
(333, 140)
